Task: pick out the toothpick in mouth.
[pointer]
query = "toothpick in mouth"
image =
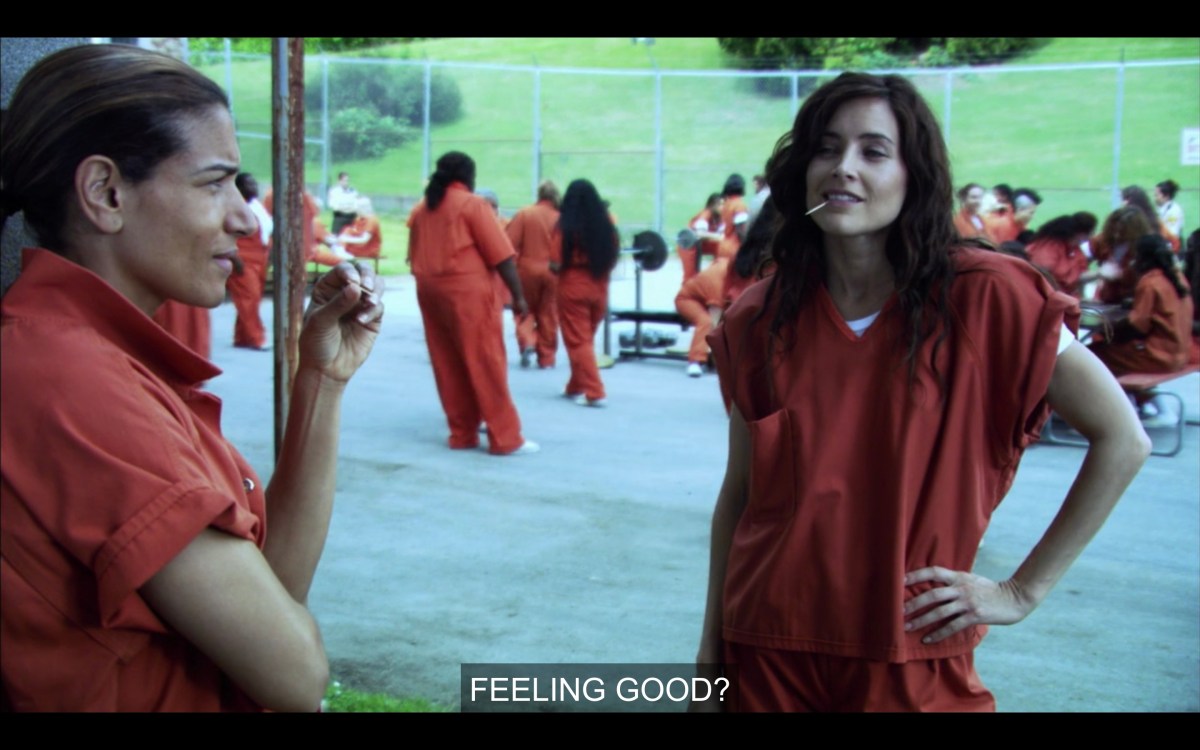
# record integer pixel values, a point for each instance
(815, 208)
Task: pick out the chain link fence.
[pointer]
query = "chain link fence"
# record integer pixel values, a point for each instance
(657, 142)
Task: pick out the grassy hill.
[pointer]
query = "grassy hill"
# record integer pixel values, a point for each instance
(1049, 130)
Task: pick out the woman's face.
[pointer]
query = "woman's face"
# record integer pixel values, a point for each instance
(180, 226)
(1159, 198)
(858, 172)
(974, 200)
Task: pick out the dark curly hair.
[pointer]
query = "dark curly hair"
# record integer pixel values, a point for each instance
(919, 242)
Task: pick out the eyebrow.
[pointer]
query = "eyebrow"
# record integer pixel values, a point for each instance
(860, 136)
(222, 167)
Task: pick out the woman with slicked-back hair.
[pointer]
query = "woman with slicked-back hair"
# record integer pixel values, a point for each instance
(455, 247)
(138, 573)
(884, 384)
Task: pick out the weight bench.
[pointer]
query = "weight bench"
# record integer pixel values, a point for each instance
(638, 317)
(1134, 383)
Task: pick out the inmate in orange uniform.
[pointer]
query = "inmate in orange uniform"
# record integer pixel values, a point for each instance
(582, 304)
(190, 324)
(704, 290)
(454, 251)
(733, 212)
(1164, 318)
(1064, 260)
(95, 501)
(532, 234)
(818, 558)
(1001, 225)
(246, 288)
(970, 225)
(690, 256)
(361, 226)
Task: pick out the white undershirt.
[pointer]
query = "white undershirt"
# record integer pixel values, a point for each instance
(860, 326)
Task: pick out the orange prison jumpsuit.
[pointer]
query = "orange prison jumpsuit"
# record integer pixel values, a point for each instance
(246, 290)
(858, 476)
(704, 290)
(1065, 262)
(1114, 291)
(1001, 226)
(111, 462)
(454, 250)
(532, 234)
(734, 206)
(314, 230)
(689, 256)
(190, 324)
(964, 224)
(357, 228)
(582, 304)
(1166, 319)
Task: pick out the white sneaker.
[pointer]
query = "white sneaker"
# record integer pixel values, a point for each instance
(694, 370)
(526, 448)
(583, 400)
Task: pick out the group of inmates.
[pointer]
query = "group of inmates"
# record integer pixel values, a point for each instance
(883, 376)
(1138, 260)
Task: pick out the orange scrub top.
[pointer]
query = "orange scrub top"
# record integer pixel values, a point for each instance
(858, 477)
(357, 228)
(531, 232)
(1065, 262)
(1164, 318)
(462, 237)
(112, 462)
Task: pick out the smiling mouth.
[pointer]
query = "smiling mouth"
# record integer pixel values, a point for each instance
(842, 198)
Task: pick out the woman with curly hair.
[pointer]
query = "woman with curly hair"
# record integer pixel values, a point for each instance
(885, 382)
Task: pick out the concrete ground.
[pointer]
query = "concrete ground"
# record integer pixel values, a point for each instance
(596, 549)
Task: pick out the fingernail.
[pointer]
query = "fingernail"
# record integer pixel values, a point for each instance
(908, 626)
(927, 639)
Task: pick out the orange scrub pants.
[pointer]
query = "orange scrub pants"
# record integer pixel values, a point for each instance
(697, 314)
(464, 332)
(800, 681)
(582, 304)
(246, 291)
(538, 329)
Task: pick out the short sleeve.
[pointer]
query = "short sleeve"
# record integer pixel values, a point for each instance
(491, 240)
(111, 464)
(1012, 319)
(738, 347)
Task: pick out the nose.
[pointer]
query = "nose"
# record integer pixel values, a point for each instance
(847, 165)
(240, 221)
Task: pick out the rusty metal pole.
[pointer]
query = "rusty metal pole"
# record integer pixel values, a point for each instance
(287, 172)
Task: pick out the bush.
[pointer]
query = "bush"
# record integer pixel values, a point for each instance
(396, 91)
(362, 133)
(978, 50)
(262, 45)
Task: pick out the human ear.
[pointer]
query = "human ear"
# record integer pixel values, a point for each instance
(97, 191)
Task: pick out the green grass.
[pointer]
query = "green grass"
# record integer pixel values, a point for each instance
(1052, 131)
(1071, 49)
(340, 699)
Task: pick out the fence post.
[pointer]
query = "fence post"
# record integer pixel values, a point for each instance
(425, 157)
(659, 161)
(537, 128)
(229, 76)
(1115, 192)
(326, 135)
(946, 108)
